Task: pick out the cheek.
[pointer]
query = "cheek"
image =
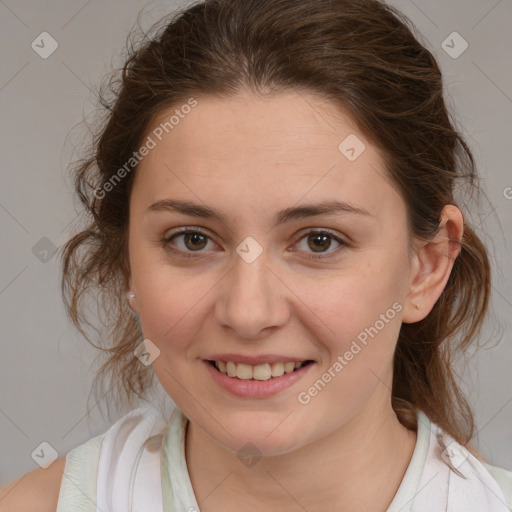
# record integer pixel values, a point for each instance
(357, 310)
(170, 308)
(171, 316)
(167, 295)
(360, 321)
(357, 294)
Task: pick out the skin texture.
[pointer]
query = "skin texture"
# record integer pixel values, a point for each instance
(249, 158)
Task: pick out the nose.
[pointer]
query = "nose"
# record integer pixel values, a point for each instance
(252, 299)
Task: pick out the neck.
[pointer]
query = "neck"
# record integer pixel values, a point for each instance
(358, 467)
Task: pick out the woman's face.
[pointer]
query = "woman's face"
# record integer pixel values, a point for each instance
(247, 289)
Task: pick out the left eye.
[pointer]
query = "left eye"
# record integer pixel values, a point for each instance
(321, 240)
(195, 241)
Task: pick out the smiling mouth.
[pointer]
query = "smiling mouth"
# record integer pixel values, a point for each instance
(260, 372)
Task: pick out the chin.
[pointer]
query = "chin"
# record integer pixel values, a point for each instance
(249, 438)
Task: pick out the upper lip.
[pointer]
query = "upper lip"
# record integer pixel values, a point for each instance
(256, 360)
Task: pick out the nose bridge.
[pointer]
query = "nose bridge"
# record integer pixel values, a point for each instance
(251, 299)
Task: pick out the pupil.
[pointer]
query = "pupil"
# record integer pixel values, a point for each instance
(325, 238)
(195, 237)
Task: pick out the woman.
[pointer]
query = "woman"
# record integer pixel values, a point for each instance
(273, 229)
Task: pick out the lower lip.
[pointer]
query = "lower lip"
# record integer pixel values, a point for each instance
(256, 388)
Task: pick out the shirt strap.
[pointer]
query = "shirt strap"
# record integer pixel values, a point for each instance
(178, 495)
(78, 486)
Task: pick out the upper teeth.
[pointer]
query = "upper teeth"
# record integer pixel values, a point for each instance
(259, 372)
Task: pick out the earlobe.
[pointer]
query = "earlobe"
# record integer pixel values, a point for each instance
(132, 301)
(131, 297)
(433, 264)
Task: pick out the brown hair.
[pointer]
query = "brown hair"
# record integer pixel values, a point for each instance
(363, 56)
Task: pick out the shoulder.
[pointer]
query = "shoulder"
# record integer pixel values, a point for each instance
(503, 478)
(36, 490)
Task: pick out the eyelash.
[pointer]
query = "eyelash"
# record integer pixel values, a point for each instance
(166, 241)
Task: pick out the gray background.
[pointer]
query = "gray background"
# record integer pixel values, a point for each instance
(45, 365)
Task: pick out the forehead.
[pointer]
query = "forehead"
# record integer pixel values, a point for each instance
(251, 151)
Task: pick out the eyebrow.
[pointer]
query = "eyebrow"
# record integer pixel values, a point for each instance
(282, 217)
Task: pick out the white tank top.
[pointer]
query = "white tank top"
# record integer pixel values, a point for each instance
(139, 465)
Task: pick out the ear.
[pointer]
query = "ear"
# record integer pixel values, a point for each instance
(432, 265)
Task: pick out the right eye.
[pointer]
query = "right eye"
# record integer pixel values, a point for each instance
(194, 240)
